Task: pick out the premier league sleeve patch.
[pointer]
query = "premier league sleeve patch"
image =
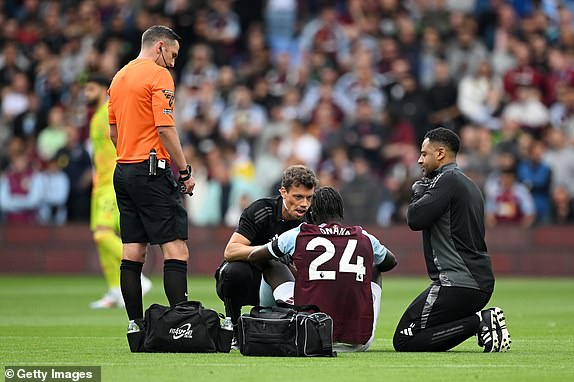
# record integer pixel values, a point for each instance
(170, 96)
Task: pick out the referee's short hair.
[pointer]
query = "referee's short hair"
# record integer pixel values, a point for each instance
(159, 32)
(446, 137)
(327, 206)
(299, 175)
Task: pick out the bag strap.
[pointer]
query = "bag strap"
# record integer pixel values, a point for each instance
(184, 307)
(311, 308)
(261, 311)
(326, 339)
(191, 303)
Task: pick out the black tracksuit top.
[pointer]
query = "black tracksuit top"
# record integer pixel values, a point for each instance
(451, 216)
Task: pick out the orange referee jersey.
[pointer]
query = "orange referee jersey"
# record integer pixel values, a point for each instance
(142, 95)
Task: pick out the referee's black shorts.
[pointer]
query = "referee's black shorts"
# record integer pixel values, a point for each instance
(151, 209)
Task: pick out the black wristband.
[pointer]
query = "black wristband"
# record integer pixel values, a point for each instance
(185, 173)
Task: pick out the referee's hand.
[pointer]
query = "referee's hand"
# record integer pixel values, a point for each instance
(187, 186)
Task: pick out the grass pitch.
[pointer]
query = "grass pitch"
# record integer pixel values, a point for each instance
(46, 321)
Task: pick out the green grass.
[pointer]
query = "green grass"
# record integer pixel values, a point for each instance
(46, 321)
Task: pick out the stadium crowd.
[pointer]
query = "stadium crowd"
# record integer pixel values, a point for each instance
(348, 88)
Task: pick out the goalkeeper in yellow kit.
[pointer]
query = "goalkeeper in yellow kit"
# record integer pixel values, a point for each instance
(105, 217)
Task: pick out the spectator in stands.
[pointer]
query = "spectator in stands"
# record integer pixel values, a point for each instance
(241, 122)
(362, 82)
(255, 60)
(398, 179)
(480, 97)
(322, 91)
(523, 73)
(326, 35)
(559, 155)
(20, 191)
(537, 177)
(325, 126)
(363, 28)
(77, 165)
(361, 194)
(560, 74)
(269, 165)
(433, 15)
(223, 30)
(408, 99)
(199, 113)
(223, 195)
(300, 146)
(475, 157)
(12, 62)
(499, 24)
(390, 53)
(226, 83)
(15, 99)
(407, 36)
(442, 99)
(53, 137)
(280, 77)
(508, 201)
(199, 68)
(29, 123)
(432, 48)
(261, 94)
(399, 138)
(562, 111)
(563, 206)
(289, 107)
(337, 167)
(55, 191)
(528, 110)
(281, 22)
(365, 134)
(466, 52)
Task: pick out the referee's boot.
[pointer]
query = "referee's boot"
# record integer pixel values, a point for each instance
(136, 335)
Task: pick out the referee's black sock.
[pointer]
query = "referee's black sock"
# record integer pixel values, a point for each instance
(130, 281)
(175, 280)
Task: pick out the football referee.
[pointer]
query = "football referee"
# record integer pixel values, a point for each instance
(143, 130)
(448, 207)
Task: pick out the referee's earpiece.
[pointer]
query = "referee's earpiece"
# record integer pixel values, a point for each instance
(162, 57)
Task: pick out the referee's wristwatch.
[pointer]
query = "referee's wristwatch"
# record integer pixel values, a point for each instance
(185, 174)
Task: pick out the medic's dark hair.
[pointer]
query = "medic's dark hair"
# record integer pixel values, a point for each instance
(444, 136)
